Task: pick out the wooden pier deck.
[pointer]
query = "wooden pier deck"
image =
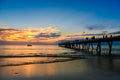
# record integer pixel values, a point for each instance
(87, 44)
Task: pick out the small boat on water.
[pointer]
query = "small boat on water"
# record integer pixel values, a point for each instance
(29, 44)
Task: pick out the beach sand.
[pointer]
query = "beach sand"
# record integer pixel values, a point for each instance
(82, 69)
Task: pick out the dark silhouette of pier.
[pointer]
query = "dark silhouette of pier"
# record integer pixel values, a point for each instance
(87, 44)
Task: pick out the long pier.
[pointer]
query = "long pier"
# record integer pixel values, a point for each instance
(87, 44)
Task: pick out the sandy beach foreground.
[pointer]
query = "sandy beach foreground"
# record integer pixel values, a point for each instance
(82, 69)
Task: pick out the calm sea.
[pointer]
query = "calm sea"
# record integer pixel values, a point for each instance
(24, 50)
(30, 51)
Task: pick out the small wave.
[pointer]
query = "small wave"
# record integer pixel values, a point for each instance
(37, 62)
(69, 55)
(51, 58)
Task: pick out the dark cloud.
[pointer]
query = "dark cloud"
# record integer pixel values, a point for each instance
(93, 34)
(55, 34)
(78, 35)
(95, 27)
(5, 29)
(101, 27)
(48, 35)
(117, 32)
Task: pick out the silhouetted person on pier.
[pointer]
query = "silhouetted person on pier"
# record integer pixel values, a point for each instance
(93, 38)
(110, 36)
(86, 38)
(106, 36)
(103, 37)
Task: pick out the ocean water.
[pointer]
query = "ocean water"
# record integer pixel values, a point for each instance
(30, 52)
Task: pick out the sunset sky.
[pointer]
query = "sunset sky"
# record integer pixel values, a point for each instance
(54, 20)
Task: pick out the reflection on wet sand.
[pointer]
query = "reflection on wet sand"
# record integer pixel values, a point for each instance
(28, 71)
(43, 70)
(94, 69)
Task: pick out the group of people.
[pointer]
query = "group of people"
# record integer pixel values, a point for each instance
(104, 37)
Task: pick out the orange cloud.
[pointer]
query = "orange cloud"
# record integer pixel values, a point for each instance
(31, 34)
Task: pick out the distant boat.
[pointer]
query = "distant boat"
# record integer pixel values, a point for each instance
(29, 44)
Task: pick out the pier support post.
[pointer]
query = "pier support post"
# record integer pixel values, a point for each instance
(110, 47)
(92, 46)
(83, 46)
(88, 47)
(79, 47)
(98, 50)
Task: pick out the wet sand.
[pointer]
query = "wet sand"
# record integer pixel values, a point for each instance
(82, 69)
